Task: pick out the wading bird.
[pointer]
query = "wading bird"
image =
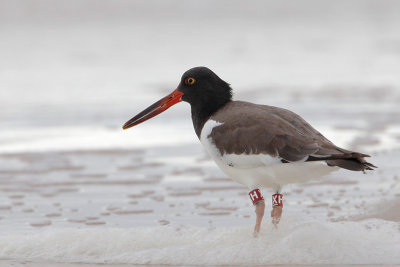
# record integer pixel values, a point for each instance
(256, 145)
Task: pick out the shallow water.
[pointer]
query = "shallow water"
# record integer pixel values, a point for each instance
(297, 240)
(159, 206)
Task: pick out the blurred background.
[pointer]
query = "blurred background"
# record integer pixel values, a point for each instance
(72, 72)
(75, 187)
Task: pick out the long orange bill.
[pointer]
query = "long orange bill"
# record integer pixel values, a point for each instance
(155, 109)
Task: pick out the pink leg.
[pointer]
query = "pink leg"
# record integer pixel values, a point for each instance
(277, 207)
(259, 203)
(276, 214)
(260, 208)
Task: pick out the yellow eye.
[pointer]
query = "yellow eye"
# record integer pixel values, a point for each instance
(190, 81)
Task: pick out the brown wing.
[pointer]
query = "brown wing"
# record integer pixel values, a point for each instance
(258, 129)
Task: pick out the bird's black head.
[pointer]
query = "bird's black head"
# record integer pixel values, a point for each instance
(205, 92)
(201, 86)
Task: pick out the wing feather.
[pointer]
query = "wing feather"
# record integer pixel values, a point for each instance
(252, 129)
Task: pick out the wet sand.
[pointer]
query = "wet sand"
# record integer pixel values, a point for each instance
(56, 197)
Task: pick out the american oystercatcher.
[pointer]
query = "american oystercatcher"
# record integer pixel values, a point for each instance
(256, 145)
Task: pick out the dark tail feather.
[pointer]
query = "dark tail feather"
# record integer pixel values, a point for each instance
(352, 164)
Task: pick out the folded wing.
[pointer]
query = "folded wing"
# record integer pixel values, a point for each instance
(250, 129)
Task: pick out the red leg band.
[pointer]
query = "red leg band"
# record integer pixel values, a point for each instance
(255, 196)
(277, 200)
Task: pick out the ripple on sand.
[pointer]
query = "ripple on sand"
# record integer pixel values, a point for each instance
(129, 212)
(40, 223)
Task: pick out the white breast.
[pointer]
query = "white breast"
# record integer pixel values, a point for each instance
(261, 170)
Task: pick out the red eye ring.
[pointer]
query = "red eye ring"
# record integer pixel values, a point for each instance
(190, 81)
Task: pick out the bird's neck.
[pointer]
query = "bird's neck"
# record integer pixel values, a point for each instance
(201, 113)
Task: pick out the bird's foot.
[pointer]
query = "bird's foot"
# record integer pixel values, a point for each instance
(260, 208)
(277, 206)
(276, 214)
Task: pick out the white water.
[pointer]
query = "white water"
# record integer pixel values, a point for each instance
(297, 240)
